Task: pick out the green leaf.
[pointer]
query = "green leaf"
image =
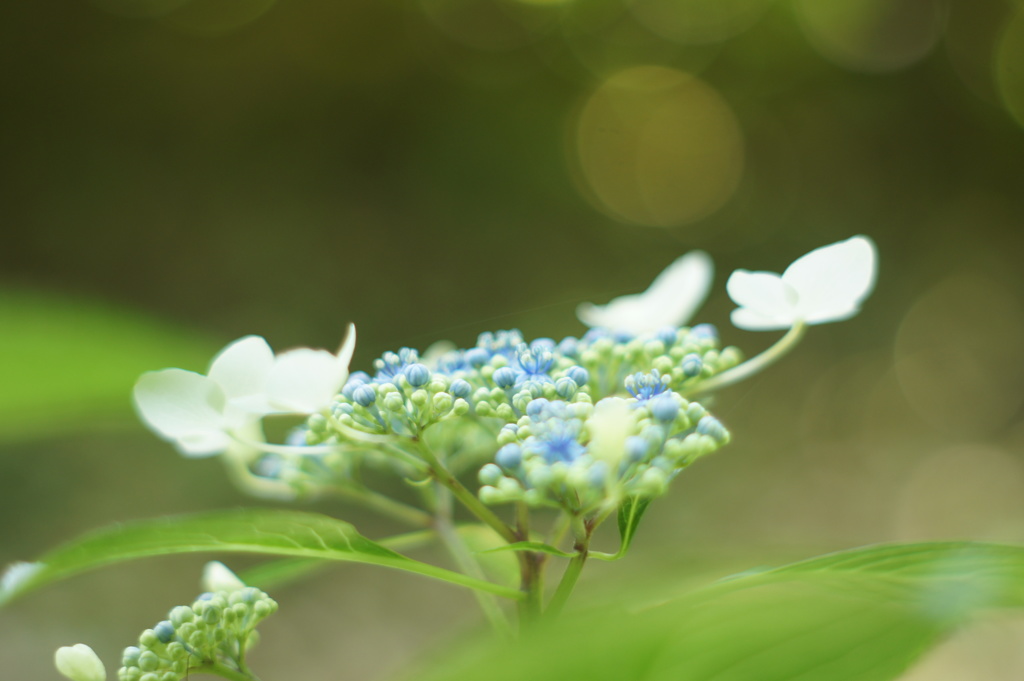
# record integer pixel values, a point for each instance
(861, 615)
(71, 363)
(481, 539)
(282, 533)
(531, 546)
(630, 513)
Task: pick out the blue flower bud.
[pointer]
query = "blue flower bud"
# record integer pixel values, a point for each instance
(668, 336)
(164, 631)
(477, 357)
(534, 408)
(460, 388)
(504, 378)
(692, 365)
(598, 474)
(568, 346)
(636, 448)
(417, 374)
(578, 374)
(509, 456)
(704, 332)
(664, 408)
(364, 395)
(713, 428)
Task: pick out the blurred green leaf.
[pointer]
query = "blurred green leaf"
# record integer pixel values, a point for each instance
(482, 540)
(275, 532)
(861, 615)
(69, 363)
(540, 547)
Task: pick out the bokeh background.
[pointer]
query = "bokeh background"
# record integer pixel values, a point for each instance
(178, 173)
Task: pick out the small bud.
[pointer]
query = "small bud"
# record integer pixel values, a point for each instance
(509, 456)
(578, 374)
(566, 388)
(364, 395)
(489, 474)
(418, 375)
(504, 378)
(393, 402)
(460, 408)
(692, 365)
(148, 661)
(664, 408)
(442, 403)
(460, 388)
(164, 631)
(419, 398)
(79, 663)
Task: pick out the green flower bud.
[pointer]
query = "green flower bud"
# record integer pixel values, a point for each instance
(484, 409)
(393, 402)
(504, 411)
(148, 639)
(442, 402)
(490, 474)
(420, 397)
(148, 661)
(461, 407)
(79, 663)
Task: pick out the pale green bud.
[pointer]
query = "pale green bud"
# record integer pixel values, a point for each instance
(505, 411)
(490, 474)
(217, 577)
(79, 663)
(420, 397)
(653, 482)
(442, 402)
(609, 425)
(460, 408)
(484, 409)
(394, 402)
(490, 495)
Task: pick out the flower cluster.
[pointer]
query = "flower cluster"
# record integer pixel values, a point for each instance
(215, 631)
(580, 457)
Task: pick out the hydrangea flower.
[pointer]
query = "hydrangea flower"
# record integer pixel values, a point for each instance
(826, 285)
(670, 301)
(79, 663)
(202, 415)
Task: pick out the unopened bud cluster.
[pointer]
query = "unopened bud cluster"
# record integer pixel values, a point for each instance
(217, 629)
(578, 456)
(544, 392)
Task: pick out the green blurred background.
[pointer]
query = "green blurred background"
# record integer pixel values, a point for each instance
(178, 173)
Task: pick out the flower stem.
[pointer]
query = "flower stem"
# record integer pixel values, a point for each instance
(465, 497)
(754, 364)
(468, 563)
(571, 575)
(224, 672)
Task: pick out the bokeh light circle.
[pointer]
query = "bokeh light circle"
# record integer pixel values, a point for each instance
(657, 146)
(1009, 67)
(698, 21)
(873, 35)
(958, 356)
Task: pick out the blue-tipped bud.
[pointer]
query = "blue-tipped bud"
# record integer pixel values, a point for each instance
(664, 408)
(130, 657)
(535, 407)
(504, 378)
(417, 374)
(364, 395)
(578, 374)
(704, 332)
(460, 388)
(713, 428)
(668, 336)
(598, 474)
(489, 474)
(636, 448)
(477, 357)
(692, 365)
(566, 388)
(164, 631)
(509, 456)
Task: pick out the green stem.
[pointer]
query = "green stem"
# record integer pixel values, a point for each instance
(465, 560)
(224, 672)
(569, 577)
(386, 506)
(531, 568)
(754, 364)
(465, 497)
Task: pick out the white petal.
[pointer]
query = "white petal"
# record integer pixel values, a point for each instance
(184, 407)
(79, 663)
(348, 346)
(764, 293)
(217, 577)
(241, 368)
(751, 320)
(305, 381)
(833, 280)
(670, 300)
